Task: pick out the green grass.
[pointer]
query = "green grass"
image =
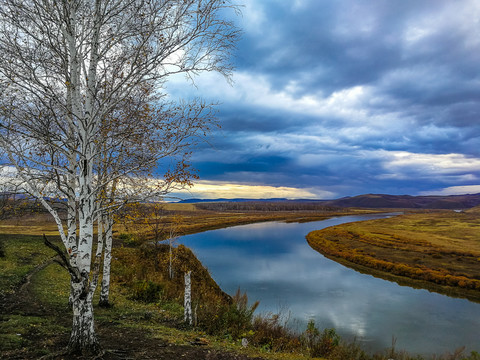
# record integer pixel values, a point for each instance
(51, 286)
(17, 331)
(22, 254)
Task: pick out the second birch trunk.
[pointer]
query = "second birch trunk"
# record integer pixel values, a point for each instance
(188, 299)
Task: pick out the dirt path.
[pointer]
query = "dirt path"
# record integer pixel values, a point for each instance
(21, 298)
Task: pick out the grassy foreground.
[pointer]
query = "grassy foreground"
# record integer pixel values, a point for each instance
(146, 320)
(439, 251)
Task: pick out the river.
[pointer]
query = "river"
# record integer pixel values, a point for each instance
(273, 263)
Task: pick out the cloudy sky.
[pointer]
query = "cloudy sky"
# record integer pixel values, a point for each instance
(336, 98)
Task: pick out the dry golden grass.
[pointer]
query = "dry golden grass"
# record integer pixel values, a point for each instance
(193, 220)
(180, 207)
(34, 224)
(441, 250)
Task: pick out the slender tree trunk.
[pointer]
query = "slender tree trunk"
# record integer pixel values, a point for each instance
(72, 248)
(188, 299)
(107, 259)
(83, 339)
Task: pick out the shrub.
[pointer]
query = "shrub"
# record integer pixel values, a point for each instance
(320, 344)
(310, 338)
(232, 320)
(349, 351)
(271, 333)
(128, 240)
(473, 356)
(147, 291)
(238, 317)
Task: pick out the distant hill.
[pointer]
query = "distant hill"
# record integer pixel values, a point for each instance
(373, 201)
(233, 200)
(407, 201)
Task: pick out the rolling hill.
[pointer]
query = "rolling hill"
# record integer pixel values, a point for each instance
(375, 201)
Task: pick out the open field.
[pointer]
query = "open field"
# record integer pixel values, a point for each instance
(188, 219)
(438, 251)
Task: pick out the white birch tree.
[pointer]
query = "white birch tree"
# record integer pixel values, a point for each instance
(66, 66)
(187, 300)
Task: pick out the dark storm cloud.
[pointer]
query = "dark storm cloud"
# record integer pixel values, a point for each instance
(349, 97)
(324, 43)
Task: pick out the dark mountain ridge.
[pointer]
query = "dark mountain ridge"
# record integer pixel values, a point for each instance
(376, 201)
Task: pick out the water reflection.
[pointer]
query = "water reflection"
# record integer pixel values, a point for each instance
(274, 264)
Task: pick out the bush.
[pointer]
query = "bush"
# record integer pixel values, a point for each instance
(147, 291)
(238, 317)
(349, 351)
(310, 338)
(129, 240)
(232, 320)
(473, 356)
(271, 333)
(320, 344)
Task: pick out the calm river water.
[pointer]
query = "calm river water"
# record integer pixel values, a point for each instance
(273, 263)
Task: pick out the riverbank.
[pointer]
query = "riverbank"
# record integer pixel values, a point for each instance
(437, 251)
(35, 319)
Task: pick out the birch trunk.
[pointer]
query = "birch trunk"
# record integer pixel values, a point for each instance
(107, 259)
(188, 299)
(82, 339)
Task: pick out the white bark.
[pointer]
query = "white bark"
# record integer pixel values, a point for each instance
(107, 259)
(187, 305)
(83, 335)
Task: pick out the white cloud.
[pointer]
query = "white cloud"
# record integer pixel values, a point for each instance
(253, 18)
(213, 189)
(397, 161)
(455, 190)
(254, 89)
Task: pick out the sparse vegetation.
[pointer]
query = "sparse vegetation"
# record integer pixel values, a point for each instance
(320, 343)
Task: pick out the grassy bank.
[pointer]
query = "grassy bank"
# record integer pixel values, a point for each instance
(438, 251)
(147, 315)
